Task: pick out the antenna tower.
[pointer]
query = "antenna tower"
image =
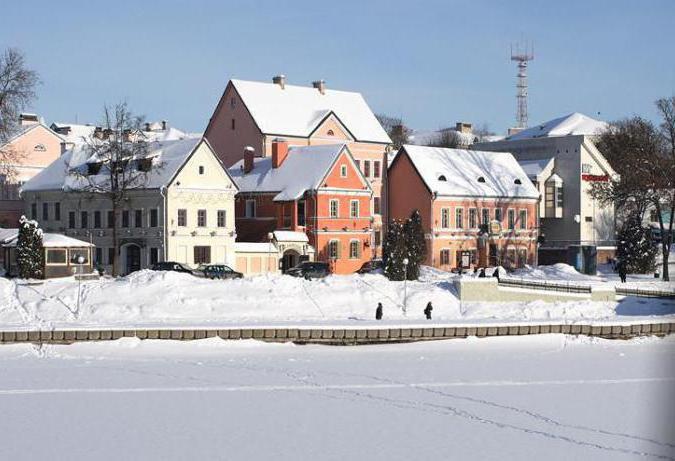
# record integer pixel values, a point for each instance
(522, 57)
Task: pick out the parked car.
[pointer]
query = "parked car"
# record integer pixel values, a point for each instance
(370, 266)
(309, 270)
(172, 266)
(218, 271)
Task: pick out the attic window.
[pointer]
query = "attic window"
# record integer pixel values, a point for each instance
(517, 181)
(40, 148)
(201, 169)
(442, 178)
(330, 133)
(481, 179)
(145, 164)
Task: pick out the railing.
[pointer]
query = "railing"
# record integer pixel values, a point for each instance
(544, 285)
(645, 293)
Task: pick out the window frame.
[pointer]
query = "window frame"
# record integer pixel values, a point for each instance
(354, 244)
(221, 218)
(97, 219)
(377, 169)
(522, 216)
(445, 218)
(204, 258)
(511, 218)
(354, 213)
(250, 208)
(459, 217)
(138, 218)
(181, 216)
(473, 216)
(334, 243)
(54, 250)
(202, 218)
(366, 168)
(45, 211)
(343, 171)
(335, 202)
(154, 218)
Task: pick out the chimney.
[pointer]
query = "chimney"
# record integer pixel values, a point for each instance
(463, 127)
(279, 152)
(163, 125)
(28, 119)
(320, 85)
(98, 132)
(279, 80)
(249, 153)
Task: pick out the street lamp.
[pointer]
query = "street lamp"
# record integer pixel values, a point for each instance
(405, 286)
(270, 236)
(79, 259)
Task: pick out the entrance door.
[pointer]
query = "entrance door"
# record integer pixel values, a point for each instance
(133, 258)
(494, 260)
(290, 259)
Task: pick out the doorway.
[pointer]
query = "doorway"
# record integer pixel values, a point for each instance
(133, 258)
(290, 259)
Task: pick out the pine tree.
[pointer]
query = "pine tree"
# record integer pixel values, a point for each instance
(29, 249)
(416, 244)
(636, 249)
(394, 251)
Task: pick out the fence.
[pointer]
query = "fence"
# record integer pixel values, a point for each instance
(645, 293)
(564, 287)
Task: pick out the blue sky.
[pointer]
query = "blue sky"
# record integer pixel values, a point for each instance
(432, 63)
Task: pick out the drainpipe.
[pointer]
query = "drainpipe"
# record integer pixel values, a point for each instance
(165, 237)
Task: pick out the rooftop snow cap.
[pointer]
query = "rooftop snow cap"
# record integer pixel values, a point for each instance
(320, 85)
(28, 119)
(249, 153)
(279, 152)
(279, 80)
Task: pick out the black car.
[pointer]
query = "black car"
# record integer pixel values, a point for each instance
(309, 270)
(172, 266)
(370, 266)
(218, 271)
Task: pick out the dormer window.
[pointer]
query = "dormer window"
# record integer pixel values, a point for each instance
(39, 148)
(442, 178)
(330, 133)
(201, 169)
(517, 181)
(481, 179)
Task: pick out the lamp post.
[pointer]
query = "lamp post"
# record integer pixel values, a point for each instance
(405, 286)
(270, 236)
(79, 260)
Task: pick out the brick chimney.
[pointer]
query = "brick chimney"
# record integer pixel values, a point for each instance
(249, 153)
(279, 152)
(163, 125)
(320, 85)
(279, 80)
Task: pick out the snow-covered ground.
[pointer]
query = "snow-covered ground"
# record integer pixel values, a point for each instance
(164, 299)
(548, 397)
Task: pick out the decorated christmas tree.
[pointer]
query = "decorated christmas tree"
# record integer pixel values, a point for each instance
(29, 250)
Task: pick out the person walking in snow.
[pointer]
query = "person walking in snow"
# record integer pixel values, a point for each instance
(378, 312)
(496, 273)
(622, 271)
(481, 274)
(427, 310)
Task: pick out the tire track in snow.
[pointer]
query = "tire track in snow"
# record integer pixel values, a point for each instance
(311, 298)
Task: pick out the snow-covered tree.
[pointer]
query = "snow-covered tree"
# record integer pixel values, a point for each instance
(394, 251)
(635, 247)
(29, 249)
(416, 244)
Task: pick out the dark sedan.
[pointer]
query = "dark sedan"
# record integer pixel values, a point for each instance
(218, 271)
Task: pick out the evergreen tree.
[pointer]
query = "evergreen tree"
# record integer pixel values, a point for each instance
(29, 249)
(394, 251)
(416, 244)
(636, 249)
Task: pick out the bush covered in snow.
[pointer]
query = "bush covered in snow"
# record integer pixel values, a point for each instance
(29, 249)
(635, 248)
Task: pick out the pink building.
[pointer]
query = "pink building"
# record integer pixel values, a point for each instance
(477, 208)
(28, 152)
(255, 113)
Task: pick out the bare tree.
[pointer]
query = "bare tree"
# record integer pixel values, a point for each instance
(395, 128)
(17, 90)
(482, 132)
(445, 137)
(118, 163)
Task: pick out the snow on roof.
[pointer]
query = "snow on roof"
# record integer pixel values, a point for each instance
(168, 157)
(303, 169)
(425, 138)
(296, 110)
(290, 236)
(8, 234)
(569, 125)
(533, 168)
(49, 240)
(77, 134)
(457, 172)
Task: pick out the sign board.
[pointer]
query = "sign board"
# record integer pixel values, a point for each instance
(595, 177)
(495, 227)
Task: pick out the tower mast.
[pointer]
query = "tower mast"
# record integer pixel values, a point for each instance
(522, 58)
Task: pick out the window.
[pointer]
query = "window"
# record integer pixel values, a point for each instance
(376, 169)
(586, 167)
(459, 218)
(473, 218)
(498, 215)
(442, 178)
(125, 218)
(71, 220)
(517, 181)
(334, 249)
(301, 213)
(97, 221)
(74, 253)
(550, 196)
(221, 218)
(445, 218)
(485, 218)
(111, 255)
(39, 148)
(358, 164)
(343, 171)
(250, 208)
(330, 133)
(154, 255)
(366, 168)
(376, 205)
(33, 211)
(99, 256)
(481, 179)
(559, 197)
(512, 218)
(56, 256)
(445, 257)
(233, 124)
(154, 214)
(57, 211)
(523, 219)
(589, 218)
(201, 169)
(84, 219)
(111, 219)
(202, 253)
(354, 249)
(334, 208)
(653, 216)
(182, 218)
(233, 102)
(201, 218)
(45, 211)
(138, 218)
(354, 209)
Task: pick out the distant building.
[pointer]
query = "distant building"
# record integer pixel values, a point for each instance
(32, 148)
(562, 161)
(255, 113)
(477, 208)
(461, 136)
(312, 200)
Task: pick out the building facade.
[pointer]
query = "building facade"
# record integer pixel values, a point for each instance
(253, 114)
(313, 201)
(478, 209)
(184, 211)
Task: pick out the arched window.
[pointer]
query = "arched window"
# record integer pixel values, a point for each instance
(330, 133)
(481, 179)
(517, 181)
(39, 148)
(442, 178)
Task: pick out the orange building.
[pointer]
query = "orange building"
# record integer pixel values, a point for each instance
(255, 113)
(478, 208)
(315, 193)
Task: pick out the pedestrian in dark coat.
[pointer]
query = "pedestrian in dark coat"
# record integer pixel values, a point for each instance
(622, 271)
(481, 274)
(496, 273)
(378, 312)
(427, 310)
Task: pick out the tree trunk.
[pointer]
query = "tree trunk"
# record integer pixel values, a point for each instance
(114, 238)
